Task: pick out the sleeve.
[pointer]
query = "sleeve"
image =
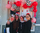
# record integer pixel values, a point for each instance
(7, 25)
(25, 28)
(7, 30)
(11, 28)
(29, 25)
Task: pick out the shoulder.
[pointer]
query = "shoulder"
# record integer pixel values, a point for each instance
(19, 22)
(11, 23)
(29, 21)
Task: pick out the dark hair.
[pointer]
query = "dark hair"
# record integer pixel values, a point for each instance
(30, 16)
(15, 17)
(22, 17)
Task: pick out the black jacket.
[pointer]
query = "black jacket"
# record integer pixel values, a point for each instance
(21, 27)
(13, 27)
(17, 23)
(7, 26)
(28, 25)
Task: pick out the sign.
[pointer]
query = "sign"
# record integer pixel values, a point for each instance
(25, 11)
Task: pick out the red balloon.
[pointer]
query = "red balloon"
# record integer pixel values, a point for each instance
(34, 14)
(18, 3)
(35, 7)
(25, 6)
(8, 6)
(35, 3)
(12, 9)
(14, 2)
(34, 10)
(17, 0)
(30, 6)
(8, 2)
(33, 20)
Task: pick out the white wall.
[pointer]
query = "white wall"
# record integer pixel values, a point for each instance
(0, 10)
(4, 12)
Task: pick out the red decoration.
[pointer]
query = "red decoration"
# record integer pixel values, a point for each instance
(18, 13)
(12, 9)
(25, 6)
(14, 2)
(11, 3)
(34, 14)
(33, 20)
(35, 3)
(8, 2)
(30, 6)
(35, 7)
(8, 6)
(34, 10)
(18, 3)
(26, 10)
(17, 0)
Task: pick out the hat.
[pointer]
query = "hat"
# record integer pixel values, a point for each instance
(17, 14)
(12, 15)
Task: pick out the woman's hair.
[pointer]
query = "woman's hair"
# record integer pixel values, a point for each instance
(8, 18)
(30, 16)
(15, 17)
(22, 17)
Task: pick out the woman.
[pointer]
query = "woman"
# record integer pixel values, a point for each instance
(7, 25)
(28, 24)
(13, 25)
(17, 21)
(21, 25)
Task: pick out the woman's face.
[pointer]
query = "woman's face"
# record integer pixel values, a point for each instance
(12, 18)
(16, 17)
(21, 18)
(27, 17)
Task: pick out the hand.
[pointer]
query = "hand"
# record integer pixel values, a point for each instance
(31, 27)
(8, 22)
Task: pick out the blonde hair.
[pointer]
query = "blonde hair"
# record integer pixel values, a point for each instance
(8, 18)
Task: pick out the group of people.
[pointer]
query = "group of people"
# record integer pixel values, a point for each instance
(17, 24)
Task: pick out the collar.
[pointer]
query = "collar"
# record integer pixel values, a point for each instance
(22, 21)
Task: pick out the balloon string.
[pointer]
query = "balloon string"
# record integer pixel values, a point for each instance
(34, 14)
